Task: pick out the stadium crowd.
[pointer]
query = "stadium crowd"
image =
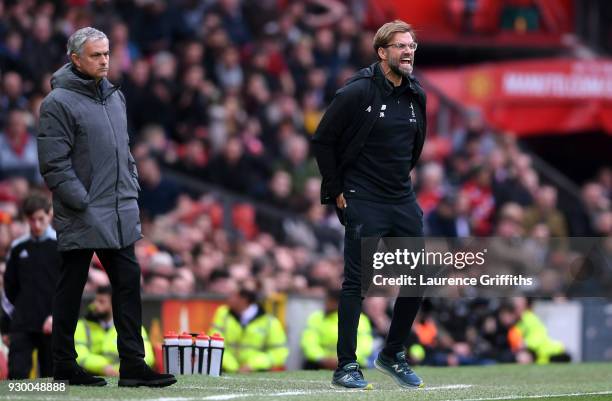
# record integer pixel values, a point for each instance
(229, 92)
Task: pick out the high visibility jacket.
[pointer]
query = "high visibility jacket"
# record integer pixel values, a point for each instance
(259, 345)
(536, 339)
(321, 336)
(97, 347)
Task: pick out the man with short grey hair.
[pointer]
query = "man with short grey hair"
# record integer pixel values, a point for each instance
(84, 157)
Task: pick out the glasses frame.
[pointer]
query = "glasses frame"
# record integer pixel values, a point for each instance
(403, 46)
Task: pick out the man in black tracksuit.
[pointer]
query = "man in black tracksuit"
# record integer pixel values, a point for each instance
(29, 283)
(368, 141)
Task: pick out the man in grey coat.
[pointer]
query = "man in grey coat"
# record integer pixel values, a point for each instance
(84, 156)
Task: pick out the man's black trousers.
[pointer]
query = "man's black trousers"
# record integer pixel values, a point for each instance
(20, 355)
(363, 219)
(124, 275)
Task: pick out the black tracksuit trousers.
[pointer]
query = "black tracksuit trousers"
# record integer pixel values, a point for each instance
(124, 274)
(364, 218)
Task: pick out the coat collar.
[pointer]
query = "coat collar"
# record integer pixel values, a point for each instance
(67, 77)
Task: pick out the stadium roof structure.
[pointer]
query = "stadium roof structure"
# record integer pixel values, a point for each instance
(534, 97)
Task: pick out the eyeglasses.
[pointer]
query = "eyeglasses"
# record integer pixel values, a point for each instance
(403, 46)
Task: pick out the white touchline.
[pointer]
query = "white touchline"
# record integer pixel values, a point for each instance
(242, 395)
(221, 397)
(227, 396)
(326, 382)
(447, 387)
(450, 387)
(521, 397)
(173, 399)
(267, 379)
(52, 398)
(205, 388)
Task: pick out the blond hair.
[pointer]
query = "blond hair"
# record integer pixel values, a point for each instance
(385, 33)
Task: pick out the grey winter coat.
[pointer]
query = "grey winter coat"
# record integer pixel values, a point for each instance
(84, 156)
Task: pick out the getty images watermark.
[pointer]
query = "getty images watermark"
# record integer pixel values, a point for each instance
(489, 267)
(457, 259)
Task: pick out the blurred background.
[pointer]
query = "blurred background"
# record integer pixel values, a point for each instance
(223, 96)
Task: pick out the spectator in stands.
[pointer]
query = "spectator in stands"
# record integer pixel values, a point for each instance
(157, 285)
(321, 335)
(297, 162)
(604, 177)
(233, 20)
(545, 211)
(500, 335)
(136, 88)
(18, 150)
(43, 51)
(596, 202)
(158, 194)
(155, 24)
(29, 283)
(431, 186)
(11, 55)
(476, 131)
(220, 282)
(509, 253)
(95, 337)
(12, 97)
(505, 181)
(233, 169)
(160, 264)
(192, 102)
(449, 218)
(183, 283)
(254, 339)
(478, 192)
(281, 195)
(124, 51)
(445, 341)
(229, 71)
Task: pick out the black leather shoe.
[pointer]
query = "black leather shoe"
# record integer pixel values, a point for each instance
(78, 377)
(144, 376)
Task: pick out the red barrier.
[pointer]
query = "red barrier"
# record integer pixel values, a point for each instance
(535, 97)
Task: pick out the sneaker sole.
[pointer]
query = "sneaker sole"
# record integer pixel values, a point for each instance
(341, 387)
(146, 383)
(382, 369)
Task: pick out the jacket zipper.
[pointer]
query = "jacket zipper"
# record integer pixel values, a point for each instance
(117, 177)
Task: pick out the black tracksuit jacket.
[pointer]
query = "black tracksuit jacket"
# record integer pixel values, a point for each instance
(31, 274)
(348, 121)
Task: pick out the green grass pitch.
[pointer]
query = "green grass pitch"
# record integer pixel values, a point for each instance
(584, 382)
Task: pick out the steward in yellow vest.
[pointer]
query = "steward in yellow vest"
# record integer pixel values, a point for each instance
(536, 339)
(321, 336)
(254, 339)
(530, 333)
(95, 338)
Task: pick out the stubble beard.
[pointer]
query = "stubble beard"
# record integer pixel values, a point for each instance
(397, 69)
